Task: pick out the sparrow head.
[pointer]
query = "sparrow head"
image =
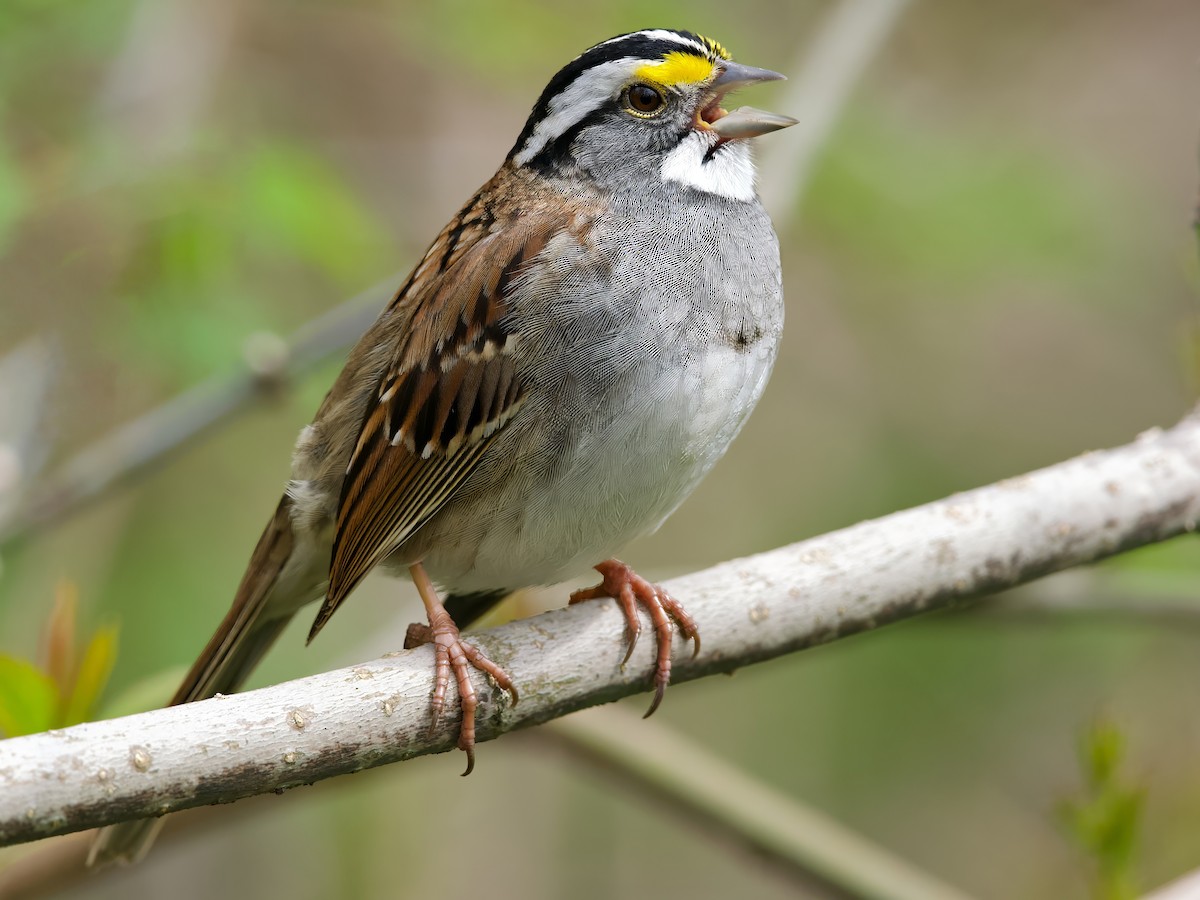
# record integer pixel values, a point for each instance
(649, 102)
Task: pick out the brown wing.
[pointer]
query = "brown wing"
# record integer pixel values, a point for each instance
(451, 385)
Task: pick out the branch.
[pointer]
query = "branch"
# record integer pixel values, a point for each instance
(754, 609)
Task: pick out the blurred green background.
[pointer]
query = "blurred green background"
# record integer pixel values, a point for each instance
(992, 270)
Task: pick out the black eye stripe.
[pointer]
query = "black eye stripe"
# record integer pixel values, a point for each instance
(559, 149)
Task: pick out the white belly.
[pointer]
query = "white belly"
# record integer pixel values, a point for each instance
(619, 481)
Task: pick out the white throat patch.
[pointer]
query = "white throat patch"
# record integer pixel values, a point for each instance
(728, 173)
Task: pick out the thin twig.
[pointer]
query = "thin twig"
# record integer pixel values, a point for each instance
(750, 610)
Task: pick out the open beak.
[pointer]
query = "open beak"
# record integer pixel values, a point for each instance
(746, 122)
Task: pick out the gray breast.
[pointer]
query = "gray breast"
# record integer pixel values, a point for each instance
(643, 352)
(659, 279)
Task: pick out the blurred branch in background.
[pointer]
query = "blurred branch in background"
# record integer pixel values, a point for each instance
(809, 846)
(754, 609)
(151, 439)
(819, 83)
(1185, 888)
(158, 87)
(1101, 596)
(26, 378)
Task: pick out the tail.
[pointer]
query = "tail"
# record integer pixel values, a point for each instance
(247, 632)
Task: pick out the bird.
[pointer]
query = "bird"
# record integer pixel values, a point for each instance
(572, 354)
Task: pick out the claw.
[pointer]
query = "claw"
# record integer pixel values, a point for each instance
(629, 589)
(452, 655)
(625, 597)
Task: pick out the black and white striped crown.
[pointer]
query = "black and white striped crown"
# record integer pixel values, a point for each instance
(577, 93)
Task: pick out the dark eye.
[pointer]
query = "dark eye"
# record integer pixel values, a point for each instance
(644, 99)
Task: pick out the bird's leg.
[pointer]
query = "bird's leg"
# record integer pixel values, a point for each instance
(629, 589)
(453, 654)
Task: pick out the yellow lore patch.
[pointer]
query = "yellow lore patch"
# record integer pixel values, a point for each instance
(677, 67)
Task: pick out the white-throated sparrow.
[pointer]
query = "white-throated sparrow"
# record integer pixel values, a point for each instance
(570, 357)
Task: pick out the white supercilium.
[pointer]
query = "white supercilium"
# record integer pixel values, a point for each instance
(593, 87)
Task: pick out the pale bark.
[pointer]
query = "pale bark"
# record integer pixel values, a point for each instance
(749, 610)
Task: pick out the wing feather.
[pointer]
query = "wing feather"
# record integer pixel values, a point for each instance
(451, 386)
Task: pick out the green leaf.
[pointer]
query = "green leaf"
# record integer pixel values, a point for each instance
(1105, 819)
(1102, 751)
(28, 699)
(94, 669)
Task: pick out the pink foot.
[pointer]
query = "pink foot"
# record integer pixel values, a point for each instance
(629, 589)
(453, 654)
